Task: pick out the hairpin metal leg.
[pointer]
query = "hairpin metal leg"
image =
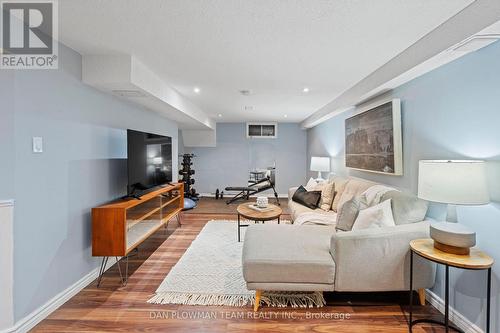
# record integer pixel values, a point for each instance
(179, 220)
(126, 270)
(102, 268)
(123, 278)
(488, 302)
(119, 269)
(410, 321)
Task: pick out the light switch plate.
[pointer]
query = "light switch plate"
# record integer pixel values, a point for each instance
(37, 144)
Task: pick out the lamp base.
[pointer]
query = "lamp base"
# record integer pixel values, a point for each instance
(452, 237)
(451, 249)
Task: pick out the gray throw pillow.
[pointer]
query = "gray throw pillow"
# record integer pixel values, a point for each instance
(349, 211)
(406, 208)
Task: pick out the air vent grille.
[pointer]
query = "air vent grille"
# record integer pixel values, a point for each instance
(129, 93)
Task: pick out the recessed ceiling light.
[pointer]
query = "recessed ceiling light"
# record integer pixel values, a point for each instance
(196, 90)
(306, 90)
(286, 116)
(219, 115)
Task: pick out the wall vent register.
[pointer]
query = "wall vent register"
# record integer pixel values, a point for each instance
(262, 130)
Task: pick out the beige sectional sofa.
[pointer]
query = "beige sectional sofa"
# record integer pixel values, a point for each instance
(319, 258)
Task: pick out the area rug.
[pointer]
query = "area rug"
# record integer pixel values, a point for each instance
(210, 273)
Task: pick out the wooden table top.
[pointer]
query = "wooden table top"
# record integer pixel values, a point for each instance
(252, 214)
(475, 260)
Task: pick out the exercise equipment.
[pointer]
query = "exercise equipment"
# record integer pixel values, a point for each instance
(266, 182)
(190, 195)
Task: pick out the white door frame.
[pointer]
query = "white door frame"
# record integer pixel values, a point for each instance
(7, 264)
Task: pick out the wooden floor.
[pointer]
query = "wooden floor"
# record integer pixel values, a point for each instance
(212, 206)
(112, 308)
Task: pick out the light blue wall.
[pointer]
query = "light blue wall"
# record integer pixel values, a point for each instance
(83, 165)
(451, 112)
(235, 155)
(7, 148)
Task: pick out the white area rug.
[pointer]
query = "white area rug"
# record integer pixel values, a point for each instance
(210, 273)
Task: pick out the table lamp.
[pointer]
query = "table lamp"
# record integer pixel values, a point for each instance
(453, 182)
(320, 164)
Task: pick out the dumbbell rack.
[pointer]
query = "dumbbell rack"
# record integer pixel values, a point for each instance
(187, 176)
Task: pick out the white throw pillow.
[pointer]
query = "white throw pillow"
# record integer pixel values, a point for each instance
(375, 217)
(313, 185)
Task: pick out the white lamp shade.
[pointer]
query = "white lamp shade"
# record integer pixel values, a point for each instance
(320, 163)
(457, 182)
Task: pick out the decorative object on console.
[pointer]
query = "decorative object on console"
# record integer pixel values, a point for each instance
(306, 198)
(453, 182)
(373, 139)
(320, 164)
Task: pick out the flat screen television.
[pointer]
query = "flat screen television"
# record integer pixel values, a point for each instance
(149, 161)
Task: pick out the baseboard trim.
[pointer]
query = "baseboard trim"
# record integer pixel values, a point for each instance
(456, 317)
(228, 195)
(27, 323)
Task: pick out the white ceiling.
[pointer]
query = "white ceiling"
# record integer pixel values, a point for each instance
(273, 48)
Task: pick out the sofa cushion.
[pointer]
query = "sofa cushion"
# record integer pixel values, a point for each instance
(288, 254)
(309, 199)
(340, 184)
(296, 209)
(406, 208)
(349, 211)
(354, 187)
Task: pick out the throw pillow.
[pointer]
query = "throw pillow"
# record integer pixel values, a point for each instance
(327, 194)
(314, 185)
(406, 208)
(375, 217)
(349, 212)
(306, 198)
(340, 184)
(354, 187)
(311, 184)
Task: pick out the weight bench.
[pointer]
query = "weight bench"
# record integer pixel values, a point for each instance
(246, 191)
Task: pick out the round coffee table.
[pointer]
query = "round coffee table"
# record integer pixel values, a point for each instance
(274, 212)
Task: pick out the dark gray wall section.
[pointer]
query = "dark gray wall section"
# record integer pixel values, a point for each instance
(228, 164)
(83, 165)
(450, 113)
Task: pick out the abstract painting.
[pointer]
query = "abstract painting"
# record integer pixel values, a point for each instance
(373, 139)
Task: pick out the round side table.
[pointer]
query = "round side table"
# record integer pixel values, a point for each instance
(475, 260)
(273, 213)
